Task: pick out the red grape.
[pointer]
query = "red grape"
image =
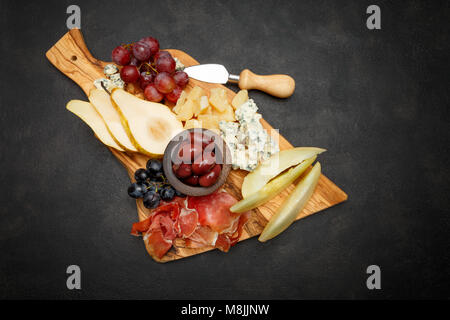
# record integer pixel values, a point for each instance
(129, 74)
(184, 171)
(134, 62)
(211, 177)
(152, 43)
(160, 54)
(165, 64)
(145, 79)
(192, 180)
(174, 95)
(142, 51)
(147, 67)
(189, 151)
(208, 151)
(152, 94)
(181, 78)
(184, 153)
(202, 165)
(121, 56)
(164, 82)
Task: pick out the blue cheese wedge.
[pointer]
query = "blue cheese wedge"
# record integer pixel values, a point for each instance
(247, 140)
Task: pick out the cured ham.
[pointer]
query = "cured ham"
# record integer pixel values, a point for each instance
(186, 223)
(214, 210)
(139, 227)
(203, 235)
(201, 221)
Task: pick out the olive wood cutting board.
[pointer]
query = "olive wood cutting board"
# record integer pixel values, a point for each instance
(71, 56)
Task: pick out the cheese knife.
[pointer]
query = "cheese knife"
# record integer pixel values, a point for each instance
(278, 85)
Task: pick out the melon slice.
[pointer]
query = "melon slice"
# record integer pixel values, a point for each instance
(102, 103)
(293, 205)
(272, 167)
(149, 125)
(88, 114)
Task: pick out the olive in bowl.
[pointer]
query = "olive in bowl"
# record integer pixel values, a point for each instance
(197, 162)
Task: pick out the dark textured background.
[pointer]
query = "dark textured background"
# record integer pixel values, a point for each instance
(377, 100)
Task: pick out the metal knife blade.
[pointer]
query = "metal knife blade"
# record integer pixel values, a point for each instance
(213, 73)
(278, 85)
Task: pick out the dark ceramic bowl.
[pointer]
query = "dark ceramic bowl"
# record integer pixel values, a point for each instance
(223, 157)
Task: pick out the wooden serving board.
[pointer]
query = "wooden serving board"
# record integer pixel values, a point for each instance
(72, 57)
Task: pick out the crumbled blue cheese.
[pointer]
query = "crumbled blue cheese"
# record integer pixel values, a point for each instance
(178, 65)
(109, 84)
(247, 112)
(115, 77)
(112, 79)
(106, 82)
(110, 69)
(117, 81)
(247, 140)
(229, 128)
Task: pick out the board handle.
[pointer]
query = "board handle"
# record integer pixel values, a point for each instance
(277, 85)
(71, 56)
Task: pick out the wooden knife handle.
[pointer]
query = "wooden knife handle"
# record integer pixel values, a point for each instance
(278, 85)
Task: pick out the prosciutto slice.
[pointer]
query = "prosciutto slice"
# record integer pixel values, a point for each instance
(186, 223)
(201, 221)
(214, 210)
(203, 235)
(158, 245)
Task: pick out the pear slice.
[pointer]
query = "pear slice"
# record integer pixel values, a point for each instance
(273, 166)
(149, 125)
(102, 103)
(293, 205)
(88, 114)
(273, 188)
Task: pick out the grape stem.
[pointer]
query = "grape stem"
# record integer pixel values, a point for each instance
(128, 45)
(157, 184)
(151, 67)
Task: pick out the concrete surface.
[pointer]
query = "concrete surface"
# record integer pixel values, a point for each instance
(377, 100)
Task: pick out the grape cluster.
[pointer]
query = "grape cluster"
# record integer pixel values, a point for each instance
(152, 186)
(153, 69)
